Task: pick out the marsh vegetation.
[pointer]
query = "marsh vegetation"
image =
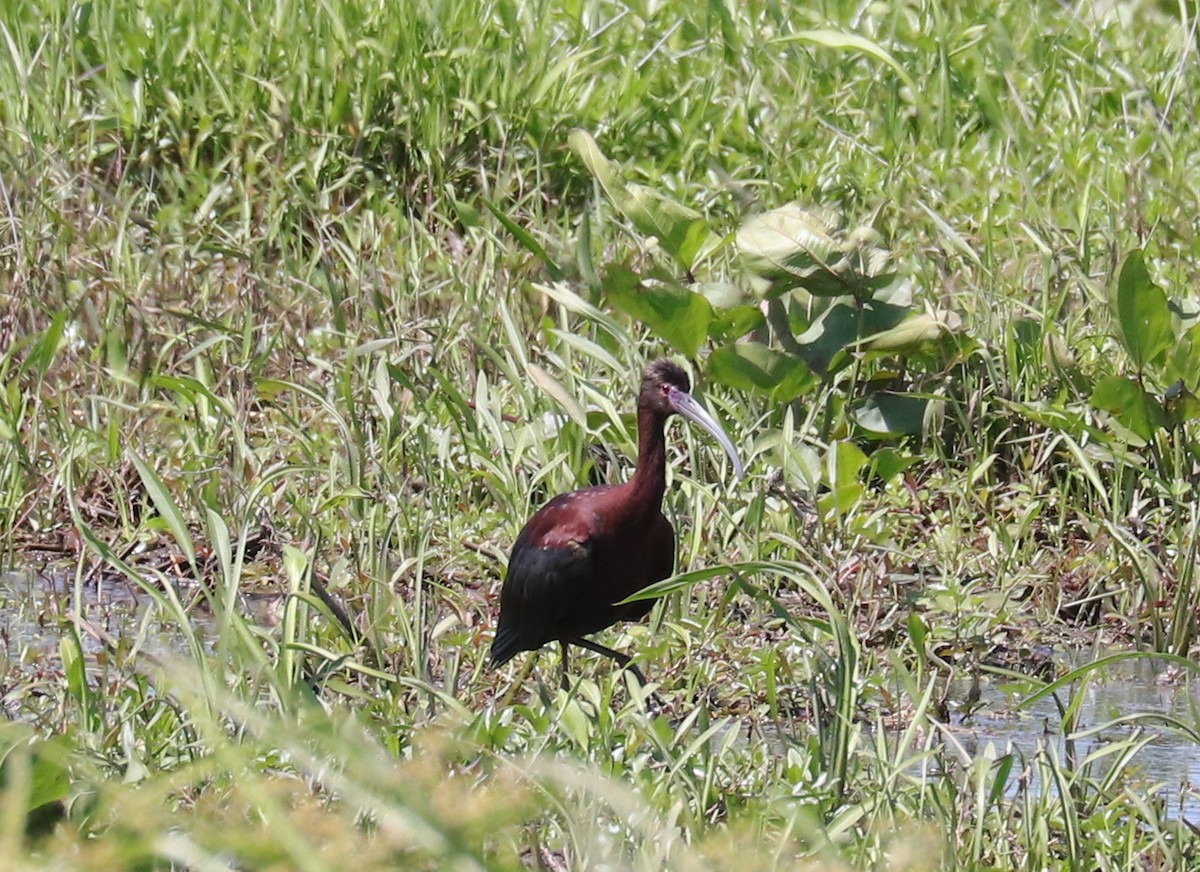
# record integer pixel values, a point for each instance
(313, 304)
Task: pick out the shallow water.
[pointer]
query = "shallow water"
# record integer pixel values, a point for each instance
(1170, 763)
(1168, 767)
(36, 609)
(35, 615)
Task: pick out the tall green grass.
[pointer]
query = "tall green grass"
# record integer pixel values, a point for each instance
(274, 317)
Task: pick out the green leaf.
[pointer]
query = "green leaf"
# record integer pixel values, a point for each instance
(341, 108)
(38, 768)
(222, 549)
(891, 414)
(752, 366)
(677, 315)
(551, 386)
(842, 465)
(789, 247)
(575, 724)
(792, 247)
(918, 631)
(730, 324)
(844, 323)
(70, 650)
(1183, 363)
(43, 352)
(1143, 316)
(887, 463)
(1053, 416)
(722, 295)
(1130, 405)
(681, 231)
(731, 317)
(914, 332)
(166, 506)
(831, 331)
(837, 39)
(50, 780)
(1180, 403)
(526, 239)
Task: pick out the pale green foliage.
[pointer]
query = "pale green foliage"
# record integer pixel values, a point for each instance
(295, 293)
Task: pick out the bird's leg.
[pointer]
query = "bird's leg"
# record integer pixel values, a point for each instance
(624, 659)
(526, 671)
(564, 683)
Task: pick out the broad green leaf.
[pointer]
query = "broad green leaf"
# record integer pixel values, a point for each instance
(166, 506)
(575, 724)
(837, 39)
(559, 394)
(38, 768)
(583, 255)
(890, 414)
(887, 463)
(914, 332)
(890, 301)
(886, 308)
(50, 781)
(732, 318)
(843, 323)
(526, 239)
(918, 632)
(846, 462)
(677, 315)
(681, 231)
(1131, 406)
(833, 330)
(74, 664)
(1143, 316)
(1181, 404)
(842, 465)
(730, 324)
(44, 350)
(1183, 362)
(586, 149)
(467, 214)
(788, 246)
(722, 295)
(752, 366)
(341, 108)
(792, 247)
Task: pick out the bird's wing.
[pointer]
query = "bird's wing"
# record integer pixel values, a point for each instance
(541, 595)
(546, 573)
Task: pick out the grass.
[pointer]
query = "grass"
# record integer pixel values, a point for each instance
(296, 296)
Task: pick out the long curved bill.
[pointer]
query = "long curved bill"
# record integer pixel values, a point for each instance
(685, 405)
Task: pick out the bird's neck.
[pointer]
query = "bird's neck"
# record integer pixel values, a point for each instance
(649, 481)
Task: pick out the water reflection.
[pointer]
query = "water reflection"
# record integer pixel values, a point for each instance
(38, 609)
(1170, 762)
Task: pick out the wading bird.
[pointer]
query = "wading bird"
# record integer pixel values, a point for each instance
(587, 550)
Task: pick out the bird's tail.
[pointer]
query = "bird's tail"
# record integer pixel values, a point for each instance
(505, 646)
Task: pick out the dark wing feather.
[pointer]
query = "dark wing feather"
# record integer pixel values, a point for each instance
(572, 562)
(543, 588)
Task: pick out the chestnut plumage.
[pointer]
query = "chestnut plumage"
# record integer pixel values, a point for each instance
(585, 551)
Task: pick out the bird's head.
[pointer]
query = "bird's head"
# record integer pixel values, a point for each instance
(666, 390)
